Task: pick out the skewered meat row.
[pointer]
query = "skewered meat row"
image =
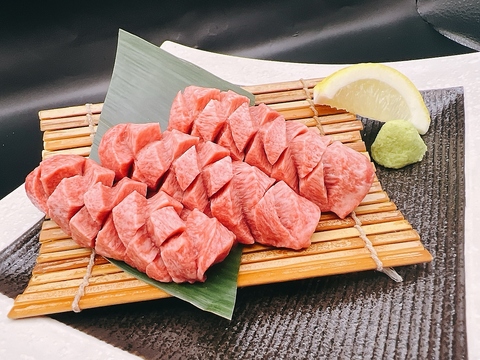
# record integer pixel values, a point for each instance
(173, 204)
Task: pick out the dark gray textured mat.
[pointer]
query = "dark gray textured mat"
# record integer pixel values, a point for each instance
(355, 316)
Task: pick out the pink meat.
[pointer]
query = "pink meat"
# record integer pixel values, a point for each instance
(307, 151)
(313, 188)
(55, 168)
(186, 168)
(160, 200)
(139, 135)
(84, 228)
(66, 200)
(114, 152)
(171, 186)
(225, 139)
(231, 101)
(108, 243)
(95, 173)
(216, 175)
(35, 191)
(274, 139)
(179, 254)
(263, 114)
(150, 164)
(100, 199)
(285, 169)
(175, 143)
(293, 129)
(242, 126)
(212, 249)
(129, 216)
(209, 121)
(157, 270)
(285, 219)
(181, 118)
(164, 223)
(195, 196)
(140, 249)
(227, 209)
(208, 152)
(348, 178)
(198, 97)
(256, 155)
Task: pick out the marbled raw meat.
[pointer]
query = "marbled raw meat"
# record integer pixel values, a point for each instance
(312, 187)
(263, 113)
(114, 152)
(164, 223)
(84, 228)
(108, 243)
(225, 139)
(171, 186)
(160, 200)
(139, 135)
(186, 168)
(209, 121)
(274, 139)
(58, 167)
(242, 126)
(348, 177)
(157, 270)
(256, 156)
(216, 175)
(285, 169)
(195, 196)
(35, 191)
(151, 164)
(181, 117)
(307, 151)
(129, 216)
(226, 208)
(140, 249)
(208, 152)
(179, 254)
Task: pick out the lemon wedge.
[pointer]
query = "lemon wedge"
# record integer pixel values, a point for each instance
(375, 91)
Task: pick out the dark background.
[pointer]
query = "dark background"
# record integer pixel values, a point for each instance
(55, 54)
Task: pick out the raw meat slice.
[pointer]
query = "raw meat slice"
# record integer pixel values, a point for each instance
(129, 216)
(256, 155)
(208, 152)
(100, 199)
(171, 187)
(242, 126)
(35, 191)
(160, 200)
(175, 143)
(95, 173)
(186, 168)
(195, 197)
(66, 200)
(313, 188)
(209, 121)
(157, 270)
(348, 178)
(179, 255)
(225, 139)
(226, 208)
(274, 139)
(163, 224)
(55, 168)
(213, 249)
(263, 114)
(293, 129)
(114, 152)
(307, 151)
(108, 243)
(84, 228)
(140, 249)
(139, 135)
(198, 97)
(150, 164)
(230, 101)
(216, 175)
(181, 117)
(285, 219)
(285, 169)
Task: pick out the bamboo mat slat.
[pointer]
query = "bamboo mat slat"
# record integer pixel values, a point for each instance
(337, 247)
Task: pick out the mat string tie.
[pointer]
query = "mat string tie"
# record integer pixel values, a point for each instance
(91, 125)
(318, 124)
(84, 283)
(373, 253)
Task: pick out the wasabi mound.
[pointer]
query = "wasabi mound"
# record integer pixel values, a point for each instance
(398, 144)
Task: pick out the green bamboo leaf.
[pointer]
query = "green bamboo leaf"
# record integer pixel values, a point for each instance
(144, 82)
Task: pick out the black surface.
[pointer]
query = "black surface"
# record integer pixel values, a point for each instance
(356, 316)
(55, 54)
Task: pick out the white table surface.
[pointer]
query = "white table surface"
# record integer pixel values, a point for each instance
(44, 338)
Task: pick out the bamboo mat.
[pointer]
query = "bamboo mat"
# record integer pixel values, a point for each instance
(337, 247)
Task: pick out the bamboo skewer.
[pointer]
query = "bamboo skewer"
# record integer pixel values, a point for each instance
(337, 247)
